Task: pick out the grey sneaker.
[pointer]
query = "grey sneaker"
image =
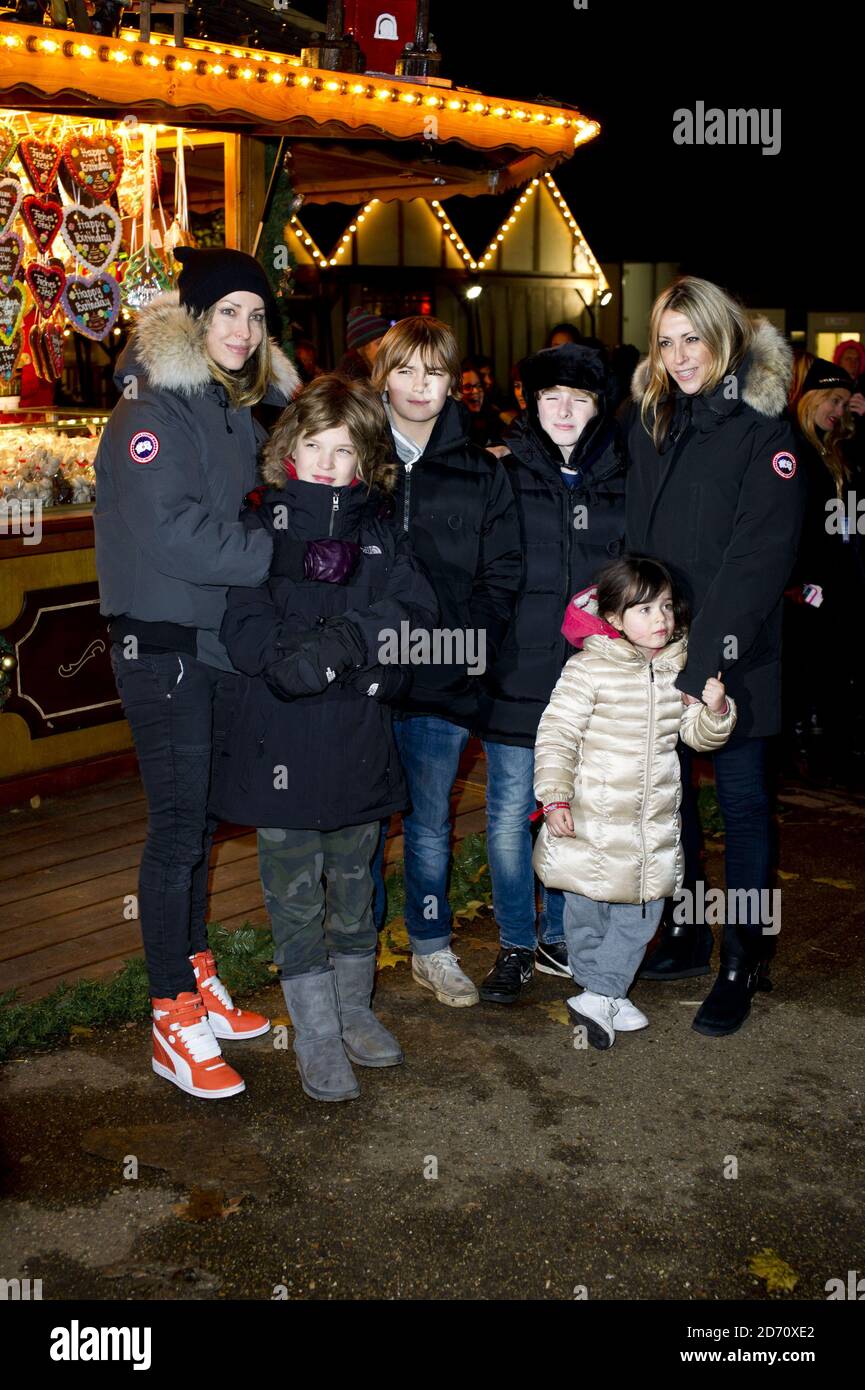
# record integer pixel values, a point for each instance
(440, 972)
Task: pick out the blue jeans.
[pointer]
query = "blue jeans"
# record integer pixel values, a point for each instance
(430, 751)
(743, 797)
(510, 802)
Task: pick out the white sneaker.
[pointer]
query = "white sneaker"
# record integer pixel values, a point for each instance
(440, 972)
(595, 1013)
(628, 1018)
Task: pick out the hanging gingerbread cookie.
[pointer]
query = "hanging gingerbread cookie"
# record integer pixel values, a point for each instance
(92, 304)
(46, 284)
(41, 162)
(42, 218)
(95, 165)
(92, 234)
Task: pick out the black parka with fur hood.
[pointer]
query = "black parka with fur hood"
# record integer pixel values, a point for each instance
(721, 506)
(173, 466)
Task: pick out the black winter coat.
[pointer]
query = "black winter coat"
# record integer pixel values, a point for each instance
(721, 506)
(458, 508)
(567, 534)
(337, 746)
(831, 551)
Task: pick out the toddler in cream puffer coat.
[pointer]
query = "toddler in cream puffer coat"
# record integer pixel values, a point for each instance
(607, 775)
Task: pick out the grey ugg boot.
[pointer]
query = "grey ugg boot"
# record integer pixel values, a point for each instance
(366, 1041)
(325, 1071)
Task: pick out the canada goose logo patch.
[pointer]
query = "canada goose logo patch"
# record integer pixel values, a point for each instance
(784, 465)
(143, 447)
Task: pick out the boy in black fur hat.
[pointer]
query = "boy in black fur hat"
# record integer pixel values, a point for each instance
(567, 469)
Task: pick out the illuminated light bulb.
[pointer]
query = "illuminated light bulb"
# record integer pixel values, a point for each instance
(216, 70)
(500, 237)
(454, 105)
(118, 56)
(353, 227)
(332, 261)
(358, 88)
(466, 256)
(409, 97)
(307, 241)
(305, 80)
(276, 77)
(560, 120)
(453, 236)
(247, 73)
(151, 60)
(432, 101)
(346, 237)
(331, 86)
(434, 203)
(498, 111)
(511, 221)
(382, 94)
(82, 50)
(185, 66)
(49, 46)
(477, 106)
(446, 226)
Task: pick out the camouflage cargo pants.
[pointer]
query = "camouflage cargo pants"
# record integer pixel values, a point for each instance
(308, 920)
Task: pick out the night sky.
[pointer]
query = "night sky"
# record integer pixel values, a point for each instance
(778, 230)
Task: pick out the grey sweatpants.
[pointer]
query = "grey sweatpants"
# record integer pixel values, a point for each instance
(307, 922)
(606, 941)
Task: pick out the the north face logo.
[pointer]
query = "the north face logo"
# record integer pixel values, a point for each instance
(371, 549)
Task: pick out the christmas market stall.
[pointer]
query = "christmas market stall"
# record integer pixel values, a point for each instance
(113, 151)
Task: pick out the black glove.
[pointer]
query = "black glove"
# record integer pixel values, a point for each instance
(384, 683)
(315, 658)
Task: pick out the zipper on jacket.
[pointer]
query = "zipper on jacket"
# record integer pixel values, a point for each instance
(333, 511)
(649, 741)
(408, 468)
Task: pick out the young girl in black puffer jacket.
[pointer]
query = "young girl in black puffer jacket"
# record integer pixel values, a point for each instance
(311, 758)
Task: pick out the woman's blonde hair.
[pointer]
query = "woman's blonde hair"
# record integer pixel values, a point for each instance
(831, 446)
(435, 342)
(327, 403)
(722, 324)
(802, 360)
(249, 384)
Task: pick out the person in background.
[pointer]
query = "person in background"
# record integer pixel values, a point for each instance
(824, 689)
(363, 334)
(562, 333)
(485, 424)
(306, 359)
(456, 504)
(494, 397)
(566, 466)
(851, 356)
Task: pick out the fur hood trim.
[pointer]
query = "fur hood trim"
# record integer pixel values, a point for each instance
(767, 369)
(169, 343)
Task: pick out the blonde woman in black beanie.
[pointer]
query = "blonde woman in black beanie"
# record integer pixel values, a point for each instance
(177, 457)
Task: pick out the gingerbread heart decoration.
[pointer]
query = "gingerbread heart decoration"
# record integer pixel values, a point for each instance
(9, 354)
(51, 343)
(92, 304)
(34, 338)
(46, 284)
(8, 145)
(11, 193)
(41, 161)
(43, 218)
(11, 255)
(13, 304)
(95, 165)
(92, 234)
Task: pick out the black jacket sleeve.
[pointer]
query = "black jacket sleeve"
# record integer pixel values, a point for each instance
(158, 500)
(756, 565)
(500, 568)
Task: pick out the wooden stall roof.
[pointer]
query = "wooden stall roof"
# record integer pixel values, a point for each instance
(343, 124)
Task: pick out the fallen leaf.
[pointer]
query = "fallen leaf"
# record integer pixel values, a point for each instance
(836, 883)
(205, 1204)
(476, 878)
(395, 949)
(767, 1264)
(783, 874)
(78, 1031)
(282, 1022)
(556, 1011)
(470, 911)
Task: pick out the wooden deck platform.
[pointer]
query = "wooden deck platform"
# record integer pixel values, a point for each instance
(67, 866)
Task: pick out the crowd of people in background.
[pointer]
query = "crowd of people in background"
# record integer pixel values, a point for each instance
(615, 544)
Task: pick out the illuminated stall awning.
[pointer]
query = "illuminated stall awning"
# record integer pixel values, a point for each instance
(343, 125)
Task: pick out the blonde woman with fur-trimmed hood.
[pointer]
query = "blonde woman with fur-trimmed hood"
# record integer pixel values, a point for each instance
(716, 493)
(175, 461)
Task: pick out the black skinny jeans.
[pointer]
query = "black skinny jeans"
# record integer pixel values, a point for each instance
(178, 709)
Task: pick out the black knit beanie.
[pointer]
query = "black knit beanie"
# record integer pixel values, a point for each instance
(826, 376)
(208, 276)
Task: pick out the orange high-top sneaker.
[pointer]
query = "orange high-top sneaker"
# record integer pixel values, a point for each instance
(226, 1020)
(186, 1052)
